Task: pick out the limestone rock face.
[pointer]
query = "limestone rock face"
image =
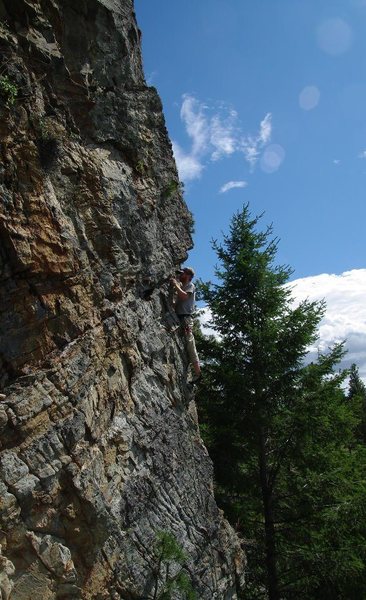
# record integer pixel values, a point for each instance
(100, 448)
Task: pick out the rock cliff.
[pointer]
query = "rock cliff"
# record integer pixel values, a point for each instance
(100, 448)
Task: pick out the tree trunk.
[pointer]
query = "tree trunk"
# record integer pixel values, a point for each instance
(269, 530)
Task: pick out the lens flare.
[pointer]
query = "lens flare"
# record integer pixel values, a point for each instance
(334, 36)
(309, 97)
(272, 158)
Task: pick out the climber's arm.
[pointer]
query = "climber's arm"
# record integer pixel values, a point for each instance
(182, 295)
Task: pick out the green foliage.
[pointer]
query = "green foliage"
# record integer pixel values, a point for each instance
(141, 167)
(282, 434)
(170, 574)
(191, 225)
(357, 397)
(167, 548)
(172, 188)
(319, 491)
(8, 90)
(356, 386)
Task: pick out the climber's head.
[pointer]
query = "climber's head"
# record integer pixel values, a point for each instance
(186, 275)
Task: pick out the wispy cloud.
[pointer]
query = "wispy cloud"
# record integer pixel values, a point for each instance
(193, 116)
(215, 133)
(265, 131)
(231, 185)
(253, 145)
(336, 161)
(223, 133)
(362, 154)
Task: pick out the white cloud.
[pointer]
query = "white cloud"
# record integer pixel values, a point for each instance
(197, 127)
(345, 316)
(362, 154)
(231, 185)
(189, 166)
(265, 130)
(253, 145)
(222, 136)
(215, 133)
(336, 161)
(204, 315)
(250, 150)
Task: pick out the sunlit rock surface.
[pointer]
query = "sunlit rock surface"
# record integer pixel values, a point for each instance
(100, 448)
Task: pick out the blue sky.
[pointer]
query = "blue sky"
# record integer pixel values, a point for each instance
(270, 95)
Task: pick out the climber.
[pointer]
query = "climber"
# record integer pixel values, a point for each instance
(185, 308)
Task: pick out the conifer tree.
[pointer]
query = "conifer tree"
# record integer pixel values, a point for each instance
(357, 395)
(356, 386)
(275, 427)
(265, 342)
